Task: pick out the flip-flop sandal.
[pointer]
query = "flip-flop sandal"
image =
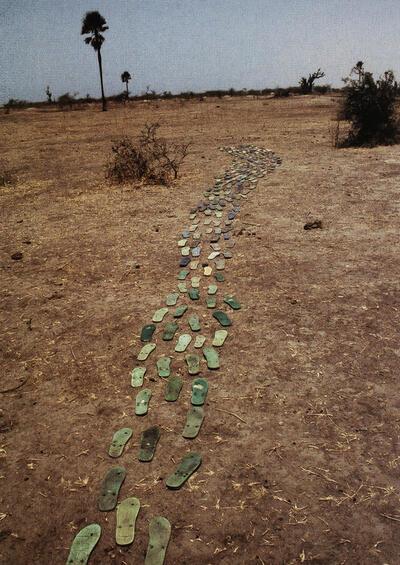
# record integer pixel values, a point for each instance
(169, 331)
(194, 419)
(215, 238)
(180, 311)
(220, 264)
(219, 338)
(127, 512)
(159, 314)
(137, 375)
(199, 341)
(232, 302)
(207, 212)
(185, 251)
(208, 230)
(193, 227)
(189, 464)
(193, 265)
(192, 216)
(212, 357)
(211, 301)
(173, 389)
(110, 489)
(84, 543)
(183, 342)
(199, 391)
(119, 440)
(207, 221)
(145, 351)
(185, 234)
(218, 230)
(215, 246)
(142, 402)
(182, 242)
(159, 534)
(195, 281)
(183, 274)
(219, 277)
(196, 251)
(194, 323)
(218, 214)
(194, 294)
(207, 271)
(212, 289)
(197, 235)
(213, 255)
(193, 363)
(148, 444)
(172, 299)
(184, 261)
(147, 332)
(182, 287)
(222, 318)
(164, 367)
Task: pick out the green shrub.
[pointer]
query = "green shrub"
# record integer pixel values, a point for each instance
(370, 108)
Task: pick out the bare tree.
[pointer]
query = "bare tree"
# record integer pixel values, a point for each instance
(306, 84)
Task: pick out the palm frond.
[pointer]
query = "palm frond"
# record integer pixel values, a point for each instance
(93, 22)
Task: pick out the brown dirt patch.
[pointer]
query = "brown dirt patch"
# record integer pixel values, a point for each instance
(312, 365)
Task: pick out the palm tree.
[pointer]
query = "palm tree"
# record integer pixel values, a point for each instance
(126, 77)
(93, 24)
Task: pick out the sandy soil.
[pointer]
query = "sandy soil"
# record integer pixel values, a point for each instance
(309, 473)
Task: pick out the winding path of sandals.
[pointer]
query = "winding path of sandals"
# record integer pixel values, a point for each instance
(205, 248)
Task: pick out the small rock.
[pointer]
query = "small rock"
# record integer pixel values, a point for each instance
(17, 256)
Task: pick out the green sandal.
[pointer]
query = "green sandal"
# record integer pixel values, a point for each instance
(142, 402)
(169, 331)
(193, 363)
(159, 314)
(147, 332)
(173, 389)
(172, 299)
(180, 311)
(119, 440)
(199, 391)
(163, 367)
(194, 420)
(199, 341)
(159, 534)
(222, 318)
(145, 351)
(110, 489)
(148, 444)
(194, 323)
(232, 302)
(212, 357)
(137, 375)
(219, 338)
(189, 464)
(127, 512)
(183, 342)
(84, 543)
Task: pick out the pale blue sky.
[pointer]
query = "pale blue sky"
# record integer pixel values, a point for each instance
(192, 44)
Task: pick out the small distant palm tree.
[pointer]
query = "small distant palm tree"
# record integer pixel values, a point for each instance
(126, 77)
(93, 25)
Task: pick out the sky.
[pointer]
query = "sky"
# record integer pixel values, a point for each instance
(181, 45)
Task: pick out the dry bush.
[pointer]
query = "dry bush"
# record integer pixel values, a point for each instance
(150, 159)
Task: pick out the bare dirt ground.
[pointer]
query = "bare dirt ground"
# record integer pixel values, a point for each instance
(311, 365)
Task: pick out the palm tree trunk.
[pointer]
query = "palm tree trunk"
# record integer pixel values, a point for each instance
(101, 81)
(127, 91)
